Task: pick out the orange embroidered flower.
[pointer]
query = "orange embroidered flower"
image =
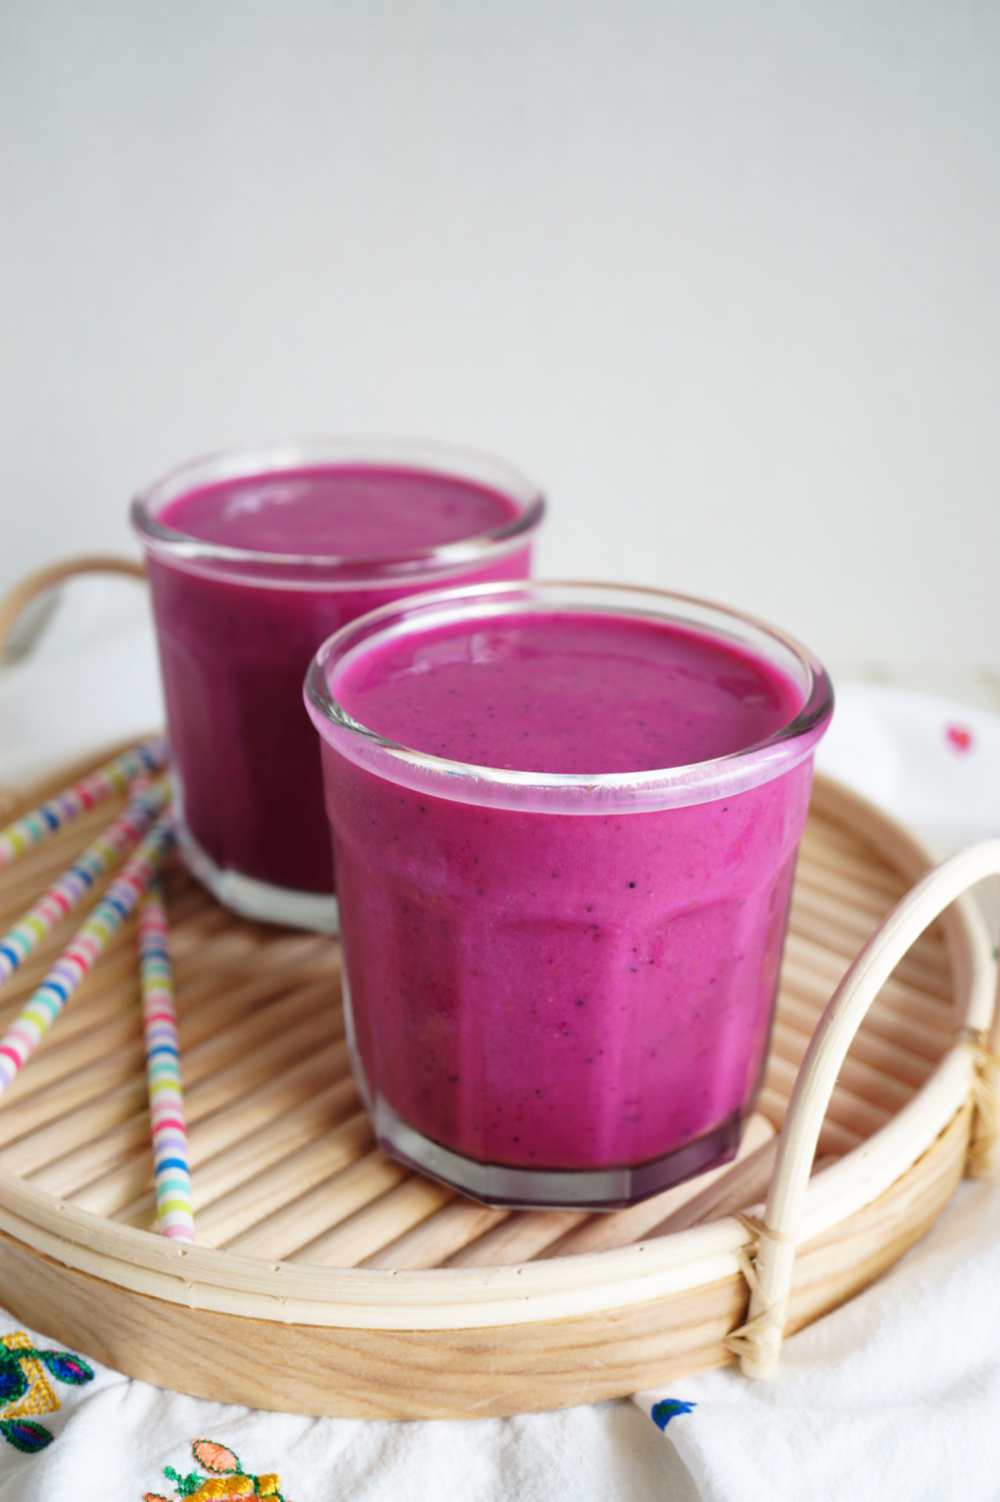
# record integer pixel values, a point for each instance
(228, 1481)
(218, 1459)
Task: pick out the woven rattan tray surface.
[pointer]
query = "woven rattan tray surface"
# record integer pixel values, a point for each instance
(330, 1279)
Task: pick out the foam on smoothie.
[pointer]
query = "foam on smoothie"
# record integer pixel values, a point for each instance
(567, 692)
(348, 512)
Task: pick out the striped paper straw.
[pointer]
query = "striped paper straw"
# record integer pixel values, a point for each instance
(163, 1071)
(29, 1028)
(114, 777)
(77, 880)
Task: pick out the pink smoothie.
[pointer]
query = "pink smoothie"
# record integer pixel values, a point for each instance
(235, 641)
(347, 512)
(564, 990)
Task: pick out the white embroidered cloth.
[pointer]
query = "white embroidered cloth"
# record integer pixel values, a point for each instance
(113, 1439)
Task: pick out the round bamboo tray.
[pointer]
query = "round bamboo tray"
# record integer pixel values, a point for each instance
(327, 1278)
(330, 1279)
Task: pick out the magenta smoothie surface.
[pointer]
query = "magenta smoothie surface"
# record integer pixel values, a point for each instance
(347, 512)
(548, 971)
(250, 572)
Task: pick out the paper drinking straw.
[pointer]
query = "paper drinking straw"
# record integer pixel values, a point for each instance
(163, 1071)
(90, 942)
(77, 880)
(114, 777)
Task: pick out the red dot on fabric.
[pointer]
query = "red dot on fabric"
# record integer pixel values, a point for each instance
(959, 738)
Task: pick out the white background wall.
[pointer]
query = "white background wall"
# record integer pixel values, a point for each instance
(722, 273)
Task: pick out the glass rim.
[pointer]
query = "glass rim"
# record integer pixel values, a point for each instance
(421, 456)
(579, 793)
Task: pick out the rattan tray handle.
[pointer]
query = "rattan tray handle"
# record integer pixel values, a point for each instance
(770, 1270)
(56, 573)
(38, 583)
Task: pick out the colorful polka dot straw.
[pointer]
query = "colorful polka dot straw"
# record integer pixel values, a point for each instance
(45, 1005)
(114, 777)
(163, 1073)
(78, 880)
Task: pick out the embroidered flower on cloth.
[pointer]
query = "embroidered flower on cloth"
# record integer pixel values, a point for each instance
(226, 1481)
(25, 1389)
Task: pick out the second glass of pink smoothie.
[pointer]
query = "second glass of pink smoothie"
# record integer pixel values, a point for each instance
(565, 820)
(254, 557)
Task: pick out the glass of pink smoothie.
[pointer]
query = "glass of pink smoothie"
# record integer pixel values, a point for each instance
(565, 820)
(255, 557)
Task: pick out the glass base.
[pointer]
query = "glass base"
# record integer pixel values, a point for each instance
(503, 1187)
(258, 900)
(550, 1188)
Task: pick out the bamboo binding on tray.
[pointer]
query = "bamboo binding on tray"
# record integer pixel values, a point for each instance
(311, 1243)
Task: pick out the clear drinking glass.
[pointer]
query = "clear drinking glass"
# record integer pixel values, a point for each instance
(559, 985)
(238, 624)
